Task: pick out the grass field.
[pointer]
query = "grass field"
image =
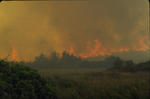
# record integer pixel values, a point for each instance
(98, 84)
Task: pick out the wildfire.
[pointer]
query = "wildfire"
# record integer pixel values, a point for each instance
(71, 50)
(119, 50)
(143, 43)
(14, 54)
(93, 49)
(99, 50)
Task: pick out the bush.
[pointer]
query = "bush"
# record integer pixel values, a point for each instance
(21, 82)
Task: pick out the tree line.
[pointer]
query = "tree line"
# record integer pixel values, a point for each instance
(71, 61)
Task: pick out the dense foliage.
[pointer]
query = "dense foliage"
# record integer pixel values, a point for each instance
(21, 82)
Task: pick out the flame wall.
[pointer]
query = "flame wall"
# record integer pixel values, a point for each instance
(97, 27)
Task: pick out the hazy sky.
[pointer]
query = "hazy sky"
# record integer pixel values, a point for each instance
(96, 27)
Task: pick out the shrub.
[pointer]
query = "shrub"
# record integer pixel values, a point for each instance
(22, 82)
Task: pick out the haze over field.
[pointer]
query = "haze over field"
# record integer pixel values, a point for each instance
(87, 29)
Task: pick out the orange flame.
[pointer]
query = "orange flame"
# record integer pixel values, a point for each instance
(119, 50)
(143, 44)
(100, 50)
(97, 50)
(14, 54)
(71, 50)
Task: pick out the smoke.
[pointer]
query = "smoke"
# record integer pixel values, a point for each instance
(43, 27)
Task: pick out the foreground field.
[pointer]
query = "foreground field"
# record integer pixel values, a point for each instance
(98, 84)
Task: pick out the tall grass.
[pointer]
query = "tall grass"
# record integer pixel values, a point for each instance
(98, 84)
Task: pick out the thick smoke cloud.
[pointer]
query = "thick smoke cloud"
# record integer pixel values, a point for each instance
(42, 27)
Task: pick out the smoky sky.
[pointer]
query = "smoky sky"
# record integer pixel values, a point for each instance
(42, 27)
